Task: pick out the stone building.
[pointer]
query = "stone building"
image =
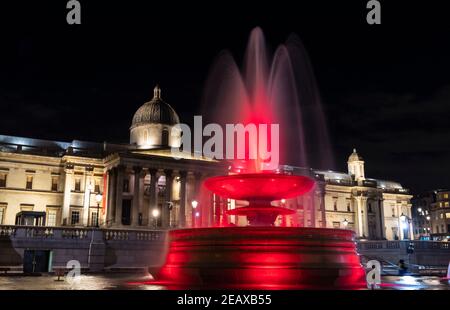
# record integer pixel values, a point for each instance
(142, 186)
(374, 209)
(432, 215)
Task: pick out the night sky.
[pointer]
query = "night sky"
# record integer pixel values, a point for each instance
(385, 88)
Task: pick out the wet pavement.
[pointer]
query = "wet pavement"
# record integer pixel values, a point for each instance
(133, 281)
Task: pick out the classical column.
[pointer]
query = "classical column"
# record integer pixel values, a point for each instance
(400, 226)
(212, 208)
(112, 181)
(182, 216)
(358, 217)
(136, 196)
(365, 218)
(153, 204)
(322, 206)
(165, 212)
(68, 183)
(382, 223)
(411, 232)
(119, 194)
(200, 208)
(224, 221)
(87, 194)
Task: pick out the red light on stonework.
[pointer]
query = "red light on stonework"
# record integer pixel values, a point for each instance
(259, 186)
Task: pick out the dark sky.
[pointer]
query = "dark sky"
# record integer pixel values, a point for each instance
(385, 88)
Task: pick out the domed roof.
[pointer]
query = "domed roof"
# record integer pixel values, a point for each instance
(355, 156)
(156, 111)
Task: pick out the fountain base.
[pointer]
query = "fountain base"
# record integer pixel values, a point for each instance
(262, 257)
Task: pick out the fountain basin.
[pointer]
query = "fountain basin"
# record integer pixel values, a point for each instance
(259, 186)
(262, 258)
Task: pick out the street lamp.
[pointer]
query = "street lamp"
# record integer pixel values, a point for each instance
(345, 222)
(419, 210)
(194, 204)
(403, 217)
(98, 199)
(405, 225)
(155, 214)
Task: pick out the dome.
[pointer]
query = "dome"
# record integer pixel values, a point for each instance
(355, 156)
(156, 111)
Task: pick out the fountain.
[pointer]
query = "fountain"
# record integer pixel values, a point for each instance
(261, 255)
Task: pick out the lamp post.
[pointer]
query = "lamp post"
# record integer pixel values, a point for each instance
(194, 204)
(345, 223)
(405, 223)
(98, 199)
(155, 214)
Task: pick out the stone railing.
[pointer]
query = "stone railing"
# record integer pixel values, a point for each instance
(403, 244)
(83, 233)
(7, 231)
(116, 234)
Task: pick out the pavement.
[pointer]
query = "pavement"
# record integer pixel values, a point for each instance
(142, 281)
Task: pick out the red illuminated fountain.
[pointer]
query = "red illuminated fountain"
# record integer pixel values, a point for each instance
(259, 189)
(261, 255)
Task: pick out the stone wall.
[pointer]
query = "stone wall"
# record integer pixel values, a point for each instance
(95, 249)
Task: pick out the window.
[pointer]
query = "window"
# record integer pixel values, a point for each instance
(54, 184)
(126, 185)
(94, 218)
(3, 179)
(52, 216)
(165, 137)
(447, 215)
(75, 217)
(437, 229)
(445, 196)
(29, 182)
(370, 208)
(77, 184)
(335, 204)
(349, 209)
(393, 211)
(97, 186)
(2, 213)
(395, 233)
(446, 204)
(336, 224)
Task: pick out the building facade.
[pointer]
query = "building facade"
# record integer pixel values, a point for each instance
(141, 186)
(432, 215)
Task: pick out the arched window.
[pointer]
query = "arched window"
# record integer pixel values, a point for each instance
(165, 137)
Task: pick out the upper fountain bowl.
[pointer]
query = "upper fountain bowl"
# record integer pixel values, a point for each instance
(259, 186)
